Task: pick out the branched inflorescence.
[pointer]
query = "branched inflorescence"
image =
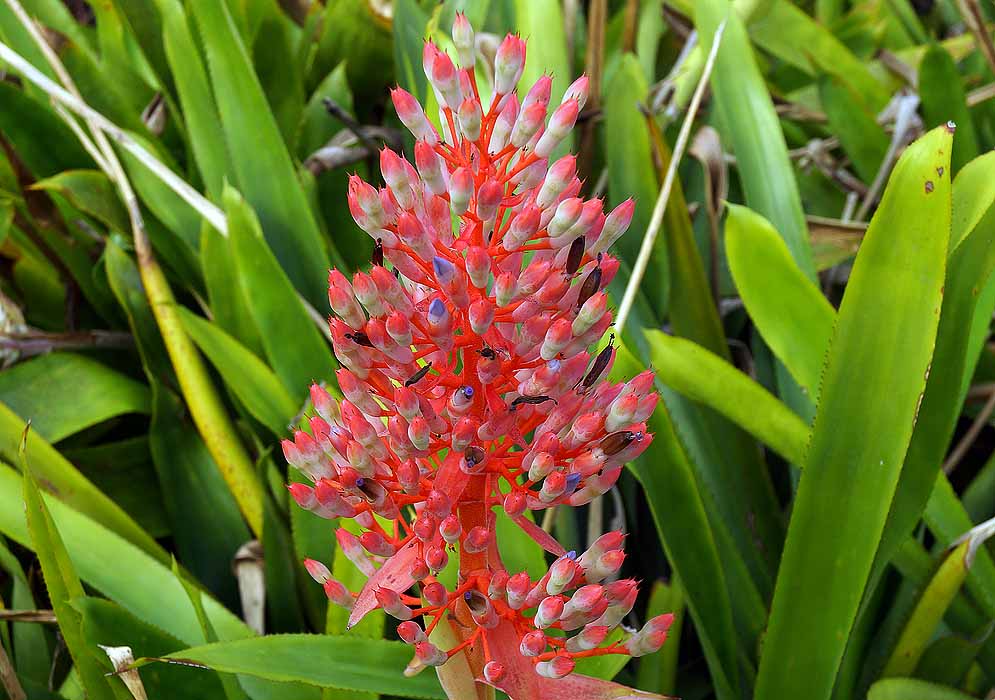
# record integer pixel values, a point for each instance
(468, 384)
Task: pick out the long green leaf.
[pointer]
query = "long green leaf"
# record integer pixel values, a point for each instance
(98, 393)
(676, 504)
(259, 156)
(351, 663)
(913, 689)
(702, 376)
(750, 126)
(63, 586)
(790, 312)
(942, 93)
(246, 375)
(149, 591)
(294, 346)
(863, 425)
(69, 485)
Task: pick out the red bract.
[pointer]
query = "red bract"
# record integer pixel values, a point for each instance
(469, 386)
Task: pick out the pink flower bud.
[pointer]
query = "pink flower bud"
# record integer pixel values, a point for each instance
(589, 638)
(450, 529)
(557, 337)
(615, 225)
(411, 632)
(419, 433)
(460, 190)
(488, 200)
(390, 601)
(561, 573)
(549, 611)
(498, 586)
(463, 40)
(504, 124)
(350, 546)
(518, 589)
(338, 594)
(413, 116)
(530, 119)
(589, 314)
(302, 493)
(539, 92)
(445, 81)
(578, 90)
(429, 654)
(481, 315)
(559, 126)
(542, 466)
(318, 571)
(399, 328)
(567, 213)
(430, 168)
(470, 116)
(436, 558)
(515, 504)
(559, 176)
(557, 667)
(508, 64)
(524, 226)
(435, 594)
(477, 540)
(494, 671)
(533, 643)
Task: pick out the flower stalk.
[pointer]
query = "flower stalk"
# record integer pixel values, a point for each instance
(471, 387)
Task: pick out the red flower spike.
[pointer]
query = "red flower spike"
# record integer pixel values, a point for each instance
(473, 359)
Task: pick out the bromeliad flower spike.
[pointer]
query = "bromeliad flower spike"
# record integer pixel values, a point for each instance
(469, 388)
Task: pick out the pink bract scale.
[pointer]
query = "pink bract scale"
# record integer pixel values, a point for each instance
(469, 387)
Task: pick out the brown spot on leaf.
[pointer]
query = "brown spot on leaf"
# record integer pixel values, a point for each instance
(929, 186)
(939, 171)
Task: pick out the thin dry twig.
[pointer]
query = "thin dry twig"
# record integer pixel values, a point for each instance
(46, 617)
(656, 220)
(964, 444)
(8, 677)
(970, 10)
(905, 119)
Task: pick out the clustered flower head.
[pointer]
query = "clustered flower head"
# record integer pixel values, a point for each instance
(468, 383)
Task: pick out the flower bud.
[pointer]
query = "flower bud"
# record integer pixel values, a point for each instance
(436, 558)
(338, 594)
(557, 337)
(504, 124)
(498, 586)
(463, 40)
(590, 313)
(494, 671)
(615, 225)
(429, 654)
(567, 213)
(561, 573)
(351, 547)
(515, 503)
(557, 667)
(435, 594)
(413, 116)
(470, 116)
(549, 611)
(518, 589)
(559, 176)
(450, 529)
(481, 316)
(477, 540)
(533, 643)
(318, 571)
(508, 64)
(464, 432)
(376, 544)
(539, 92)
(430, 168)
(559, 126)
(411, 632)
(445, 81)
(530, 119)
(391, 603)
(589, 638)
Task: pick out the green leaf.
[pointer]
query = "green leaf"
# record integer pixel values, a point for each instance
(294, 347)
(350, 663)
(204, 518)
(32, 657)
(941, 90)
(317, 126)
(862, 138)
(913, 689)
(749, 125)
(91, 192)
(42, 141)
(200, 115)
(631, 174)
(262, 165)
(98, 393)
(63, 479)
(246, 375)
(790, 312)
(109, 624)
(679, 513)
(149, 591)
(858, 446)
(63, 585)
(702, 376)
(928, 613)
